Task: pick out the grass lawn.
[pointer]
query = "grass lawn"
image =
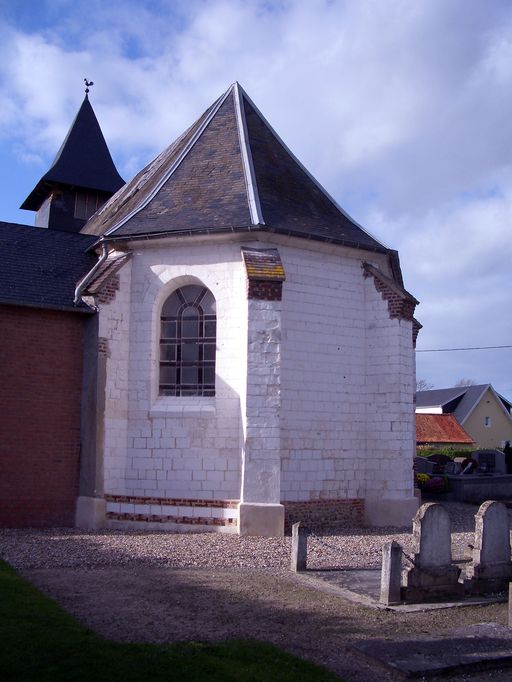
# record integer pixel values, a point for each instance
(40, 642)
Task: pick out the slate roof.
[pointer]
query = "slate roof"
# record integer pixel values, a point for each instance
(439, 396)
(459, 401)
(82, 161)
(228, 172)
(40, 267)
(440, 428)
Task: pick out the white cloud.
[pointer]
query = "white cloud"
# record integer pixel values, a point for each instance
(401, 109)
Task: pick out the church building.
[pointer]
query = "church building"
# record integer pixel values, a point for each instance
(240, 351)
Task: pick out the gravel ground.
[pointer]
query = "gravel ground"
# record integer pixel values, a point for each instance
(162, 587)
(351, 548)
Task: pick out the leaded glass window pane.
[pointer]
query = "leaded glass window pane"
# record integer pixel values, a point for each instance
(188, 343)
(190, 352)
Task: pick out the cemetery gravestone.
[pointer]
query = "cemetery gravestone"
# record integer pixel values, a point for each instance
(299, 548)
(491, 569)
(390, 592)
(433, 575)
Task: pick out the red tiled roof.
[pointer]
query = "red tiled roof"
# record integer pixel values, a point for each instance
(440, 428)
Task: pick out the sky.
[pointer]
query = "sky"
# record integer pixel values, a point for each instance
(402, 109)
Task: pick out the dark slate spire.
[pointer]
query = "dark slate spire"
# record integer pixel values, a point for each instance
(80, 180)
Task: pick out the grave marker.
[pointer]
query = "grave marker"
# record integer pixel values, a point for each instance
(433, 575)
(391, 573)
(299, 548)
(491, 568)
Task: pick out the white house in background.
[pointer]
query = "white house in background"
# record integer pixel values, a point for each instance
(255, 345)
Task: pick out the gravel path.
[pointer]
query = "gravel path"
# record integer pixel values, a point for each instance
(162, 587)
(351, 548)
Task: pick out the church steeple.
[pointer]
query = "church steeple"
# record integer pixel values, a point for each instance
(81, 178)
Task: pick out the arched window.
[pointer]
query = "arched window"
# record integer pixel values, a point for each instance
(187, 342)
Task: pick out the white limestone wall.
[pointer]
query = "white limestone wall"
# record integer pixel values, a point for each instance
(340, 416)
(182, 447)
(323, 364)
(114, 335)
(346, 380)
(262, 455)
(390, 370)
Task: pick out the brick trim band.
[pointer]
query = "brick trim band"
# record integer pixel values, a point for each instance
(401, 304)
(171, 501)
(264, 290)
(108, 291)
(265, 274)
(323, 514)
(163, 518)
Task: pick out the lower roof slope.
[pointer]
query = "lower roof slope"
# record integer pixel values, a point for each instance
(228, 172)
(440, 428)
(40, 267)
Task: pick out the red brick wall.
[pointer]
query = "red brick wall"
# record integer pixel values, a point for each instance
(318, 515)
(40, 386)
(263, 290)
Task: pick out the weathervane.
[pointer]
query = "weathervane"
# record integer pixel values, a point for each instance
(87, 85)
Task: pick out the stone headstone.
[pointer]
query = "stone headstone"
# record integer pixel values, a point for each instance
(299, 548)
(492, 534)
(391, 572)
(452, 468)
(433, 575)
(491, 568)
(490, 461)
(432, 535)
(439, 462)
(422, 465)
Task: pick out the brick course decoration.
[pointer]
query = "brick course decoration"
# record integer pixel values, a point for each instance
(108, 291)
(265, 274)
(40, 391)
(163, 518)
(264, 291)
(105, 283)
(320, 515)
(401, 304)
(175, 502)
(179, 518)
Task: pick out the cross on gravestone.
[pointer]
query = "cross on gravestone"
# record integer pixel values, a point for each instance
(433, 574)
(491, 568)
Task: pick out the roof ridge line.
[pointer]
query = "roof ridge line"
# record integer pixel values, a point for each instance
(484, 388)
(251, 184)
(310, 176)
(180, 158)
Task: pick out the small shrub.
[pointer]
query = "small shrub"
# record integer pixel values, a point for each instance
(432, 484)
(422, 480)
(424, 451)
